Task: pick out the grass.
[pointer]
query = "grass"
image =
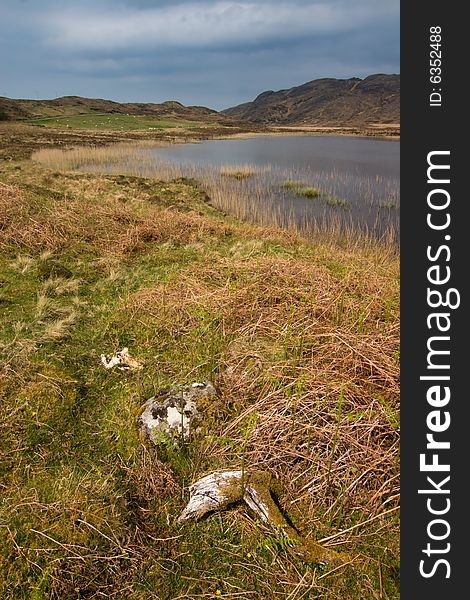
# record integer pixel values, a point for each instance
(239, 171)
(310, 192)
(332, 200)
(301, 189)
(389, 204)
(300, 337)
(290, 184)
(113, 122)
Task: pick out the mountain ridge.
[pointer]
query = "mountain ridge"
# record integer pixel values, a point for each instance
(327, 102)
(19, 109)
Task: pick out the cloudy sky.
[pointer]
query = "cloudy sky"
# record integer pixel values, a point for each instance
(215, 53)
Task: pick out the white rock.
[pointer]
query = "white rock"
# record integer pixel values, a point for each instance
(172, 412)
(123, 360)
(221, 488)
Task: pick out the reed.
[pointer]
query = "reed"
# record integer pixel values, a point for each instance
(263, 195)
(242, 171)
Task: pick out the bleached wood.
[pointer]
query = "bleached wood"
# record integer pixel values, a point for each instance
(220, 489)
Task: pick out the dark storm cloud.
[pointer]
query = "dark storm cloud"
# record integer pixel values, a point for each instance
(216, 53)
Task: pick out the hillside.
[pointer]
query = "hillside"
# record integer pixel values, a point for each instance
(68, 106)
(351, 102)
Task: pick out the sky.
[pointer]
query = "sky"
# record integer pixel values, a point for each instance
(215, 53)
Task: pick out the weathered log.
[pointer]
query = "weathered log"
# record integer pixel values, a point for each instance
(220, 489)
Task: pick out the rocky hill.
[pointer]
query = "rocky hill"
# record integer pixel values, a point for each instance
(16, 110)
(327, 102)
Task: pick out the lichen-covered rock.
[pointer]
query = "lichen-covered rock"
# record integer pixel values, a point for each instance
(174, 411)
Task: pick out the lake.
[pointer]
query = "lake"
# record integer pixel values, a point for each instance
(358, 178)
(312, 184)
(353, 155)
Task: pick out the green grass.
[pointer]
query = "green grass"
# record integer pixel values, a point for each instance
(291, 184)
(334, 201)
(113, 122)
(389, 204)
(309, 192)
(300, 189)
(299, 337)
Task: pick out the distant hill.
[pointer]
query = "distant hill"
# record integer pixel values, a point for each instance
(330, 102)
(14, 110)
(322, 102)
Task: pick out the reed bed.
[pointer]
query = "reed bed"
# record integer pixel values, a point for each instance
(243, 171)
(260, 194)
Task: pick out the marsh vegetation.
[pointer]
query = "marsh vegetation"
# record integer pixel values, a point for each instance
(299, 334)
(302, 199)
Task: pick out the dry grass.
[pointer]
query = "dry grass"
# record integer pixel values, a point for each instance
(152, 478)
(300, 338)
(79, 157)
(59, 286)
(310, 354)
(242, 171)
(22, 263)
(11, 205)
(92, 212)
(59, 328)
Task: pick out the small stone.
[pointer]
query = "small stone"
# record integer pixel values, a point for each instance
(122, 360)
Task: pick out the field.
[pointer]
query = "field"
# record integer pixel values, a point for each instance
(299, 336)
(113, 122)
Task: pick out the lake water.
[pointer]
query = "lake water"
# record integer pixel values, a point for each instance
(359, 178)
(352, 155)
(308, 183)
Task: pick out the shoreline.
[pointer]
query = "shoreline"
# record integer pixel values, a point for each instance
(284, 132)
(381, 130)
(27, 137)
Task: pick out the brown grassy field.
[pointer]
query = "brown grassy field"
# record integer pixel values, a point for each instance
(299, 336)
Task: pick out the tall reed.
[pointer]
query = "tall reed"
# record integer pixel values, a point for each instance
(343, 205)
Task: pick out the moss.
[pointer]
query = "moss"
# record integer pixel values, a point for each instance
(54, 268)
(264, 484)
